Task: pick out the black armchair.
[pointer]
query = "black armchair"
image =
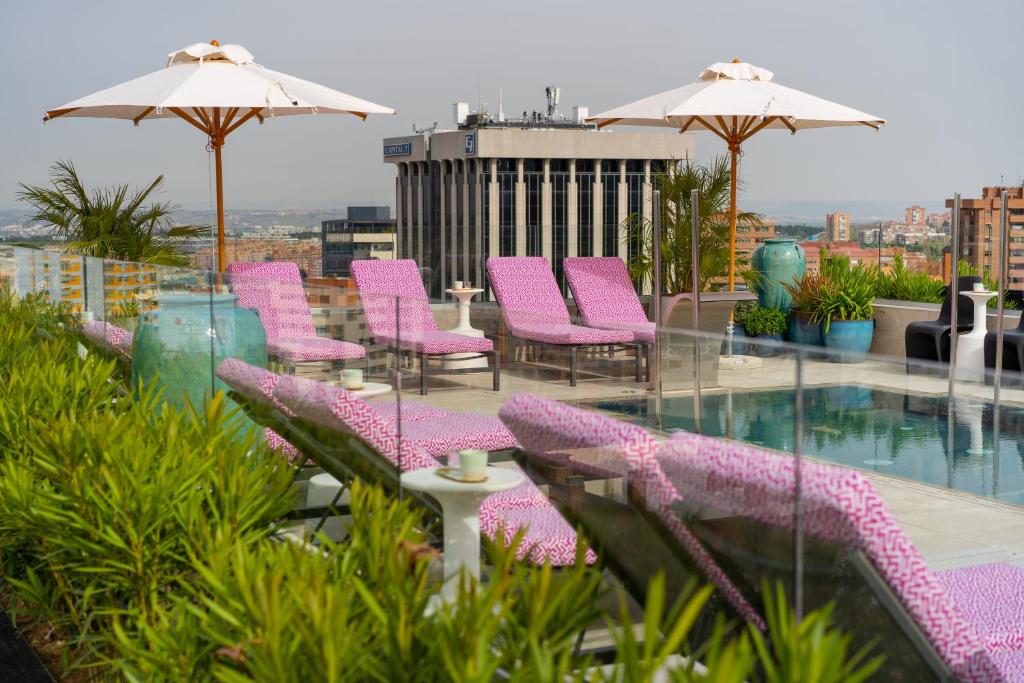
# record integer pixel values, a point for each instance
(1013, 353)
(928, 340)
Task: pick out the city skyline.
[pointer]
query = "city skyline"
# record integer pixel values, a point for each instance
(925, 153)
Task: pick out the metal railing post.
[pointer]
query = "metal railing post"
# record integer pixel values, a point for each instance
(954, 283)
(655, 352)
(398, 390)
(798, 532)
(1004, 255)
(695, 283)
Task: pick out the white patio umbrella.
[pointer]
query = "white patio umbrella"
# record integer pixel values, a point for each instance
(215, 88)
(734, 101)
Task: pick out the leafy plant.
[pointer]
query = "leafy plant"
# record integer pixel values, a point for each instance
(840, 291)
(902, 284)
(741, 310)
(765, 321)
(712, 185)
(990, 283)
(111, 222)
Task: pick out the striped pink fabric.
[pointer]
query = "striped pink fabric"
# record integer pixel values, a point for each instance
(109, 337)
(274, 289)
(991, 597)
(552, 430)
(605, 296)
(840, 505)
(547, 538)
(381, 284)
(533, 307)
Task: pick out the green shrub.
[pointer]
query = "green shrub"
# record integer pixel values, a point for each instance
(765, 321)
(902, 284)
(741, 310)
(840, 291)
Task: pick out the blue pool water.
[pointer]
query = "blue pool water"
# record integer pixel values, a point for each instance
(904, 435)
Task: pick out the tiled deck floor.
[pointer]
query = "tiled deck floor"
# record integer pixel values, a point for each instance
(949, 527)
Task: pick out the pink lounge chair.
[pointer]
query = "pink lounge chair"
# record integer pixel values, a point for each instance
(325, 412)
(110, 338)
(380, 284)
(533, 309)
(274, 289)
(605, 297)
(568, 441)
(963, 622)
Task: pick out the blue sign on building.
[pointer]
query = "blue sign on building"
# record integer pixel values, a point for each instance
(470, 144)
(401, 150)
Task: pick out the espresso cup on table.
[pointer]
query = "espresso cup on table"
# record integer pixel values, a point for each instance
(473, 465)
(457, 284)
(352, 379)
(979, 286)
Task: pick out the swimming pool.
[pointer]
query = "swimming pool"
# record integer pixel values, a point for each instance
(901, 434)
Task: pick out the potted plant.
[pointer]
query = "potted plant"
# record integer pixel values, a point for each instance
(766, 324)
(844, 306)
(739, 317)
(804, 292)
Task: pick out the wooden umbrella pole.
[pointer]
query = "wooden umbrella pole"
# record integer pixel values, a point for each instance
(217, 141)
(734, 149)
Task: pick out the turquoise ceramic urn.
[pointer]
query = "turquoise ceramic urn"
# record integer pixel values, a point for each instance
(179, 345)
(777, 261)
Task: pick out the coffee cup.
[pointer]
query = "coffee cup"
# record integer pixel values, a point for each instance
(979, 287)
(352, 379)
(473, 465)
(457, 284)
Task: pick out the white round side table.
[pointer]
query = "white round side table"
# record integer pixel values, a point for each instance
(455, 361)
(370, 389)
(970, 346)
(460, 506)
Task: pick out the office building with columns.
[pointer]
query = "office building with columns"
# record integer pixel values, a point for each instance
(536, 186)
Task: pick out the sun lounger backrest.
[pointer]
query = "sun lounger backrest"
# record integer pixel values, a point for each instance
(379, 283)
(274, 289)
(109, 336)
(254, 383)
(336, 409)
(602, 290)
(526, 291)
(753, 490)
(547, 429)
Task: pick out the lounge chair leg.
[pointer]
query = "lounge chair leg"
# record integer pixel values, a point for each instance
(496, 358)
(639, 361)
(648, 348)
(423, 374)
(572, 366)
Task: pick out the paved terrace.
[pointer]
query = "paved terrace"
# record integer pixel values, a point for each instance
(950, 528)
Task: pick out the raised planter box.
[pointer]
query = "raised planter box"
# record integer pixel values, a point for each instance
(677, 349)
(892, 318)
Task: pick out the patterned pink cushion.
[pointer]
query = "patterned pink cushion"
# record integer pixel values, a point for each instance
(380, 283)
(277, 443)
(437, 342)
(548, 538)
(533, 307)
(991, 597)
(552, 430)
(274, 289)
(605, 296)
(314, 348)
(840, 505)
(411, 410)
(109, 337)
(255, 383)
(443, 434)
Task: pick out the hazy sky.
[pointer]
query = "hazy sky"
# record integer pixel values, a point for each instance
(946, 74)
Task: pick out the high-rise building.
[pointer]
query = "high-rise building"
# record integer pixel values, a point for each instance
(916, 215)
(837, 227)
(367, 232)
(747, 238)
(980, 237)
(542, 185)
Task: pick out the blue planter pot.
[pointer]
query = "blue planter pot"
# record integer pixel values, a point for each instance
(803, 331)
(777, 261)
(852, 338)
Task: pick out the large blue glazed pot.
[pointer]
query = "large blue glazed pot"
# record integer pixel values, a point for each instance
(803, 331)
(179, 345)
(851, 338)
(777, 260)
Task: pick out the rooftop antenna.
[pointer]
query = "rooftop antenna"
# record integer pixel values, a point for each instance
(501, 109)
(428, 131)
(553, 95)
(478, 91)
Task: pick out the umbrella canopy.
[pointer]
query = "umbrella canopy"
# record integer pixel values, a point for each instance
(215, 88)
(734, 101)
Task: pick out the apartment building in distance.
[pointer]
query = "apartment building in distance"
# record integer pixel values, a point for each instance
(541, 185)
(837, 227)
(980, 242)
(916, 216)
(862, 254)
(367, 232)
(747, 238)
